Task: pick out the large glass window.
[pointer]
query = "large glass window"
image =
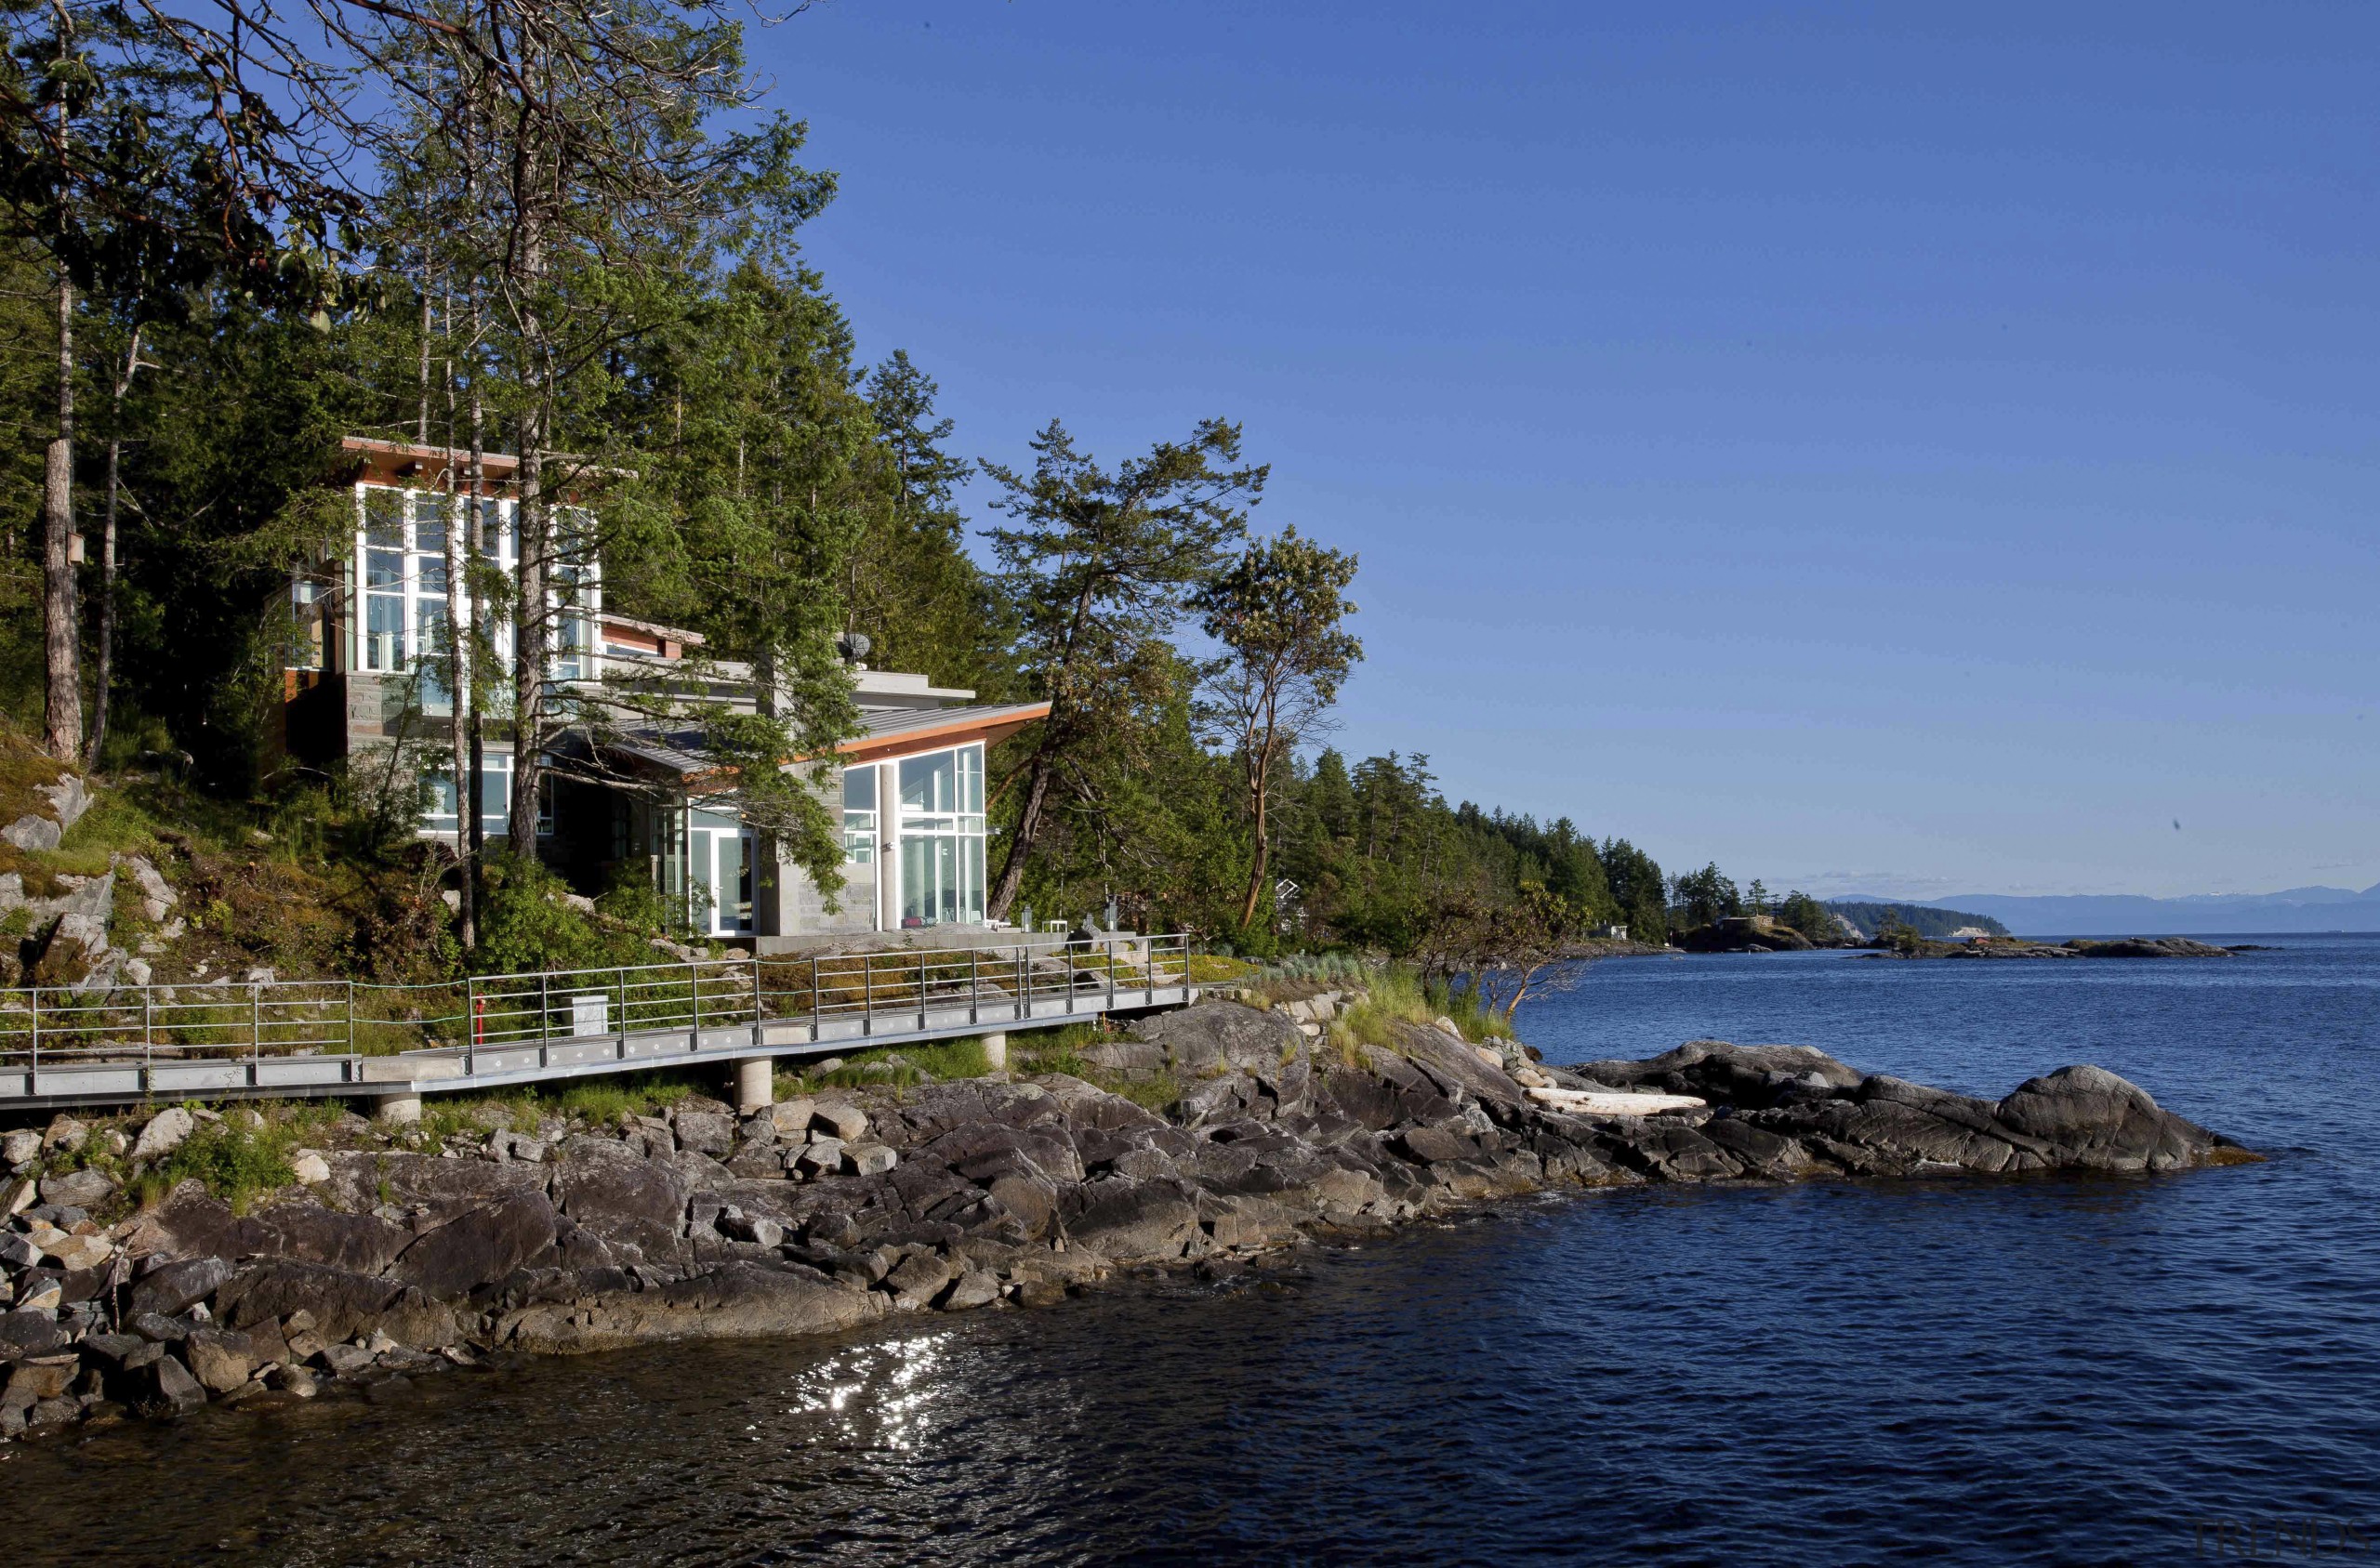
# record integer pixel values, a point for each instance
(495, 798)
(859, 814)
(941, 838)
(574, 594)
(400, 554)
(430, 598)
(384, 580)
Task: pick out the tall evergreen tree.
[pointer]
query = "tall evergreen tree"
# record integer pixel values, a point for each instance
(1099, 564)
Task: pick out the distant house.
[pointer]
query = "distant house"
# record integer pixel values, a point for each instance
(635, 794)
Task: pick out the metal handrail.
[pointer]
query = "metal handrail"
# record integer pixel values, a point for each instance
(258, 1019)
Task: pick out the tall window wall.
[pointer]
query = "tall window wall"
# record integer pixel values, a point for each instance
(400, 554)
(941, 820)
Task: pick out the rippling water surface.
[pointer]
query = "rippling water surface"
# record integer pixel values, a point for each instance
(1960, 1371)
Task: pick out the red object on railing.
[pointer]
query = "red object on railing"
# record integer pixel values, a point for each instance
(479, 1020)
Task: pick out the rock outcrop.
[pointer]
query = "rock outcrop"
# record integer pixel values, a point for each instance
(834, 1212)
(1813, 1115)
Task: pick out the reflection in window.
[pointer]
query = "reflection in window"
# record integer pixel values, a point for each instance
(859, 815)
(941, 838)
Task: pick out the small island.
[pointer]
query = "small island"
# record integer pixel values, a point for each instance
(1897, 945)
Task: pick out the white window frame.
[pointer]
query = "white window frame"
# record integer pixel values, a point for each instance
(921, 829)
(582, 661)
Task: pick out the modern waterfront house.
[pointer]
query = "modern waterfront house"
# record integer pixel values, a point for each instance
(632, 792)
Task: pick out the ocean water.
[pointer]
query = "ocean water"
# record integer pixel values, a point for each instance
(1960, 1371)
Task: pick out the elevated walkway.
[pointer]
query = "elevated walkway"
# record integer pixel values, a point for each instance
(332, 1038)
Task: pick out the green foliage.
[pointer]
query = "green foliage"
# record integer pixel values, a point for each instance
(1099, 564)
(1705, 896)
(1055, 1051)
(1923, 919)
(526, 923)
(1470, 1009)
(1280, 614)
(606, 1099)
(1808, 916)
(1897, 936)
(913, 588)
(896, 1067)
(237, 1162)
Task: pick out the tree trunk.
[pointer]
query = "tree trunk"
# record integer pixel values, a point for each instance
(421, 431)
(103, 671)
(1262, 859)
(461, 538)
(533, 536)
(1028, 826)
(475, 836)
(61, 637)
(103, 677)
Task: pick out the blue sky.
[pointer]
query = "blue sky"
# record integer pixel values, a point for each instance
(1873, 448)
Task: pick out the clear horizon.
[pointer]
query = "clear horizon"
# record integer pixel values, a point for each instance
(1878, 452)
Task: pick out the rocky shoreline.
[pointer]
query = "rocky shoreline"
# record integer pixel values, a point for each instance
(390, 1261)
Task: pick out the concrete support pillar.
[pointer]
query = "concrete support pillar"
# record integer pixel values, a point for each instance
(756, 1085)
(996, 1052)
(397, 1110)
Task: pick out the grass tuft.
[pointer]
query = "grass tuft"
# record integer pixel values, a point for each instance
(893, 1067)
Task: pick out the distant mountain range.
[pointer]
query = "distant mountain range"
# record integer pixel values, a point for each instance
(2092, 915)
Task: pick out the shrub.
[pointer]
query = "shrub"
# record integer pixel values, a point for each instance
(525, 925)
(237, 1163)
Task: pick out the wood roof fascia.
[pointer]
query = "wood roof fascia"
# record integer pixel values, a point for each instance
(885, 748)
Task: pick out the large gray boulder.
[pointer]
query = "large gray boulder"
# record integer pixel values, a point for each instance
(1132, 1222)
(176, 1288)
(619, 1195)
(343, 1305)
(479, 1246)
(739, 1300)
(1220, 1037)
(2092, 1119)
(1829, 1117)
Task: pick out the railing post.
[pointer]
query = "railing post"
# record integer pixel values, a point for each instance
(545, 1011)
(974, 985)
(1024, 1002)
(813, 999)
(350, 1019)
(921, 992)
(868, 993)
(471, 1025)
(694, 1000)
(256, 1028)
(756, 991)
(36, 1067)
(1111, 972)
